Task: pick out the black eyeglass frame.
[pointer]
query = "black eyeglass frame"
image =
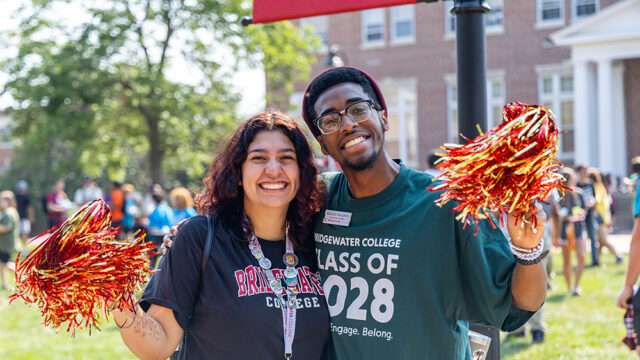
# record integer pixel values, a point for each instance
(372, 106)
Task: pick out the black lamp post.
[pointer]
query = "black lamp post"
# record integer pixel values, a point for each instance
(471, 70)
(471, 65)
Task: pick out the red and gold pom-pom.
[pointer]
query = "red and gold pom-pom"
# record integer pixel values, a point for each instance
(81, 267)
(507, 168)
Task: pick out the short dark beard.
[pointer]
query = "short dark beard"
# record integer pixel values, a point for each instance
(366, 164)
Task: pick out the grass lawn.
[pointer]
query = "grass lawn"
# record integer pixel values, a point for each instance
(23, 337)
(585, 327)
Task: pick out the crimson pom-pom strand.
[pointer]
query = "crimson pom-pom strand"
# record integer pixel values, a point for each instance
(507, 168)
(81, 267)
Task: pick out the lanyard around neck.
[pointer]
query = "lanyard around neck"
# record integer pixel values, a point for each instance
(289, 304)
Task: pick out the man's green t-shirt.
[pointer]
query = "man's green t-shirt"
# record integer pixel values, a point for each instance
(402, 277)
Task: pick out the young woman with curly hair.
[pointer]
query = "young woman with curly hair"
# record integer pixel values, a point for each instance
(263, 195)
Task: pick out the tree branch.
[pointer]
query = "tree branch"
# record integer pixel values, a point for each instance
(165, 43)
(140, 33)
(141, 36)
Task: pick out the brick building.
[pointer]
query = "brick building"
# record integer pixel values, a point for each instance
(531, 57)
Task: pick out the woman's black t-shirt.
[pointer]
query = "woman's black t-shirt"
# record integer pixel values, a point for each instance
(234, 316)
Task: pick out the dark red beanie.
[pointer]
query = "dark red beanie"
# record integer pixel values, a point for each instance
(305, 115)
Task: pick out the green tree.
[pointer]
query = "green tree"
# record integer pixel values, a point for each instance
(97, 97)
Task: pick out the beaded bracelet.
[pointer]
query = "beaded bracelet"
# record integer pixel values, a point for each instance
(526, 254)
(532, 261)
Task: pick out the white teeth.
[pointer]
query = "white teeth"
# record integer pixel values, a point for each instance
(272, 186)
(355, 141)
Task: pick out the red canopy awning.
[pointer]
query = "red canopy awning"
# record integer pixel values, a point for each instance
(265, 11)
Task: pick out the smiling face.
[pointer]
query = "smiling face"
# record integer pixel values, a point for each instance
(270, 174)
(355, 146)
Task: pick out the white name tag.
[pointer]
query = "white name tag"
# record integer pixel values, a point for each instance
(335, 217)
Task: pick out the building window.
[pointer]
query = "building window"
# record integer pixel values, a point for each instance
(452, 111)
(401, 140)
(495, 102)
(319, 26)
(449, 19)
(403, 24)
(582, 8)
(373, 25)
(493, 21)
(556, 93)
(550, 12)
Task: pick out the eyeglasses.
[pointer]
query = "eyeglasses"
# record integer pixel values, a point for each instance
(357, 112)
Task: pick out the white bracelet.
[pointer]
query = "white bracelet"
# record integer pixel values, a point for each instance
(526, 254)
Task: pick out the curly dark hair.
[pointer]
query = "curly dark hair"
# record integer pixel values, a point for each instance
(223, 197)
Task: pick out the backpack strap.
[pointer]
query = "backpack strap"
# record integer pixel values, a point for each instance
(206, 251)
(211, 223)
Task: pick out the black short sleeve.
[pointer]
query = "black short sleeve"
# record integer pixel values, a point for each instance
(176, 282)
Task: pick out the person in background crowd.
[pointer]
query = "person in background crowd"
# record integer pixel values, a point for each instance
(116, 203)
(572, 213)
(8, 225)
(148, 204)
(610, 183)
(57, 203)
(432, 170)
(602, 214)
(633, 184)
(160, 219)
(88, 191)
(633, 268)
(25, 210)
(182, 204)
(131, 209)
(12, 210)
(588, 193)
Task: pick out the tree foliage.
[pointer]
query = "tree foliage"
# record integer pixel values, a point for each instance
(99, 97)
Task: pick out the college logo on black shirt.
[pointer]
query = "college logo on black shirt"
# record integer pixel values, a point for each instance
(252, 281)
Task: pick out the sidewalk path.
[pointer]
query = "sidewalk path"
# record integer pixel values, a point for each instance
(620, 241)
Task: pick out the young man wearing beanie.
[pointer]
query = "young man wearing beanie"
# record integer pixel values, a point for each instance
(401, 276)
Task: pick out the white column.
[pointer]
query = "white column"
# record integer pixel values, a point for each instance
(592, 108)
(619, 129)
(605, 116)
(582, 126)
